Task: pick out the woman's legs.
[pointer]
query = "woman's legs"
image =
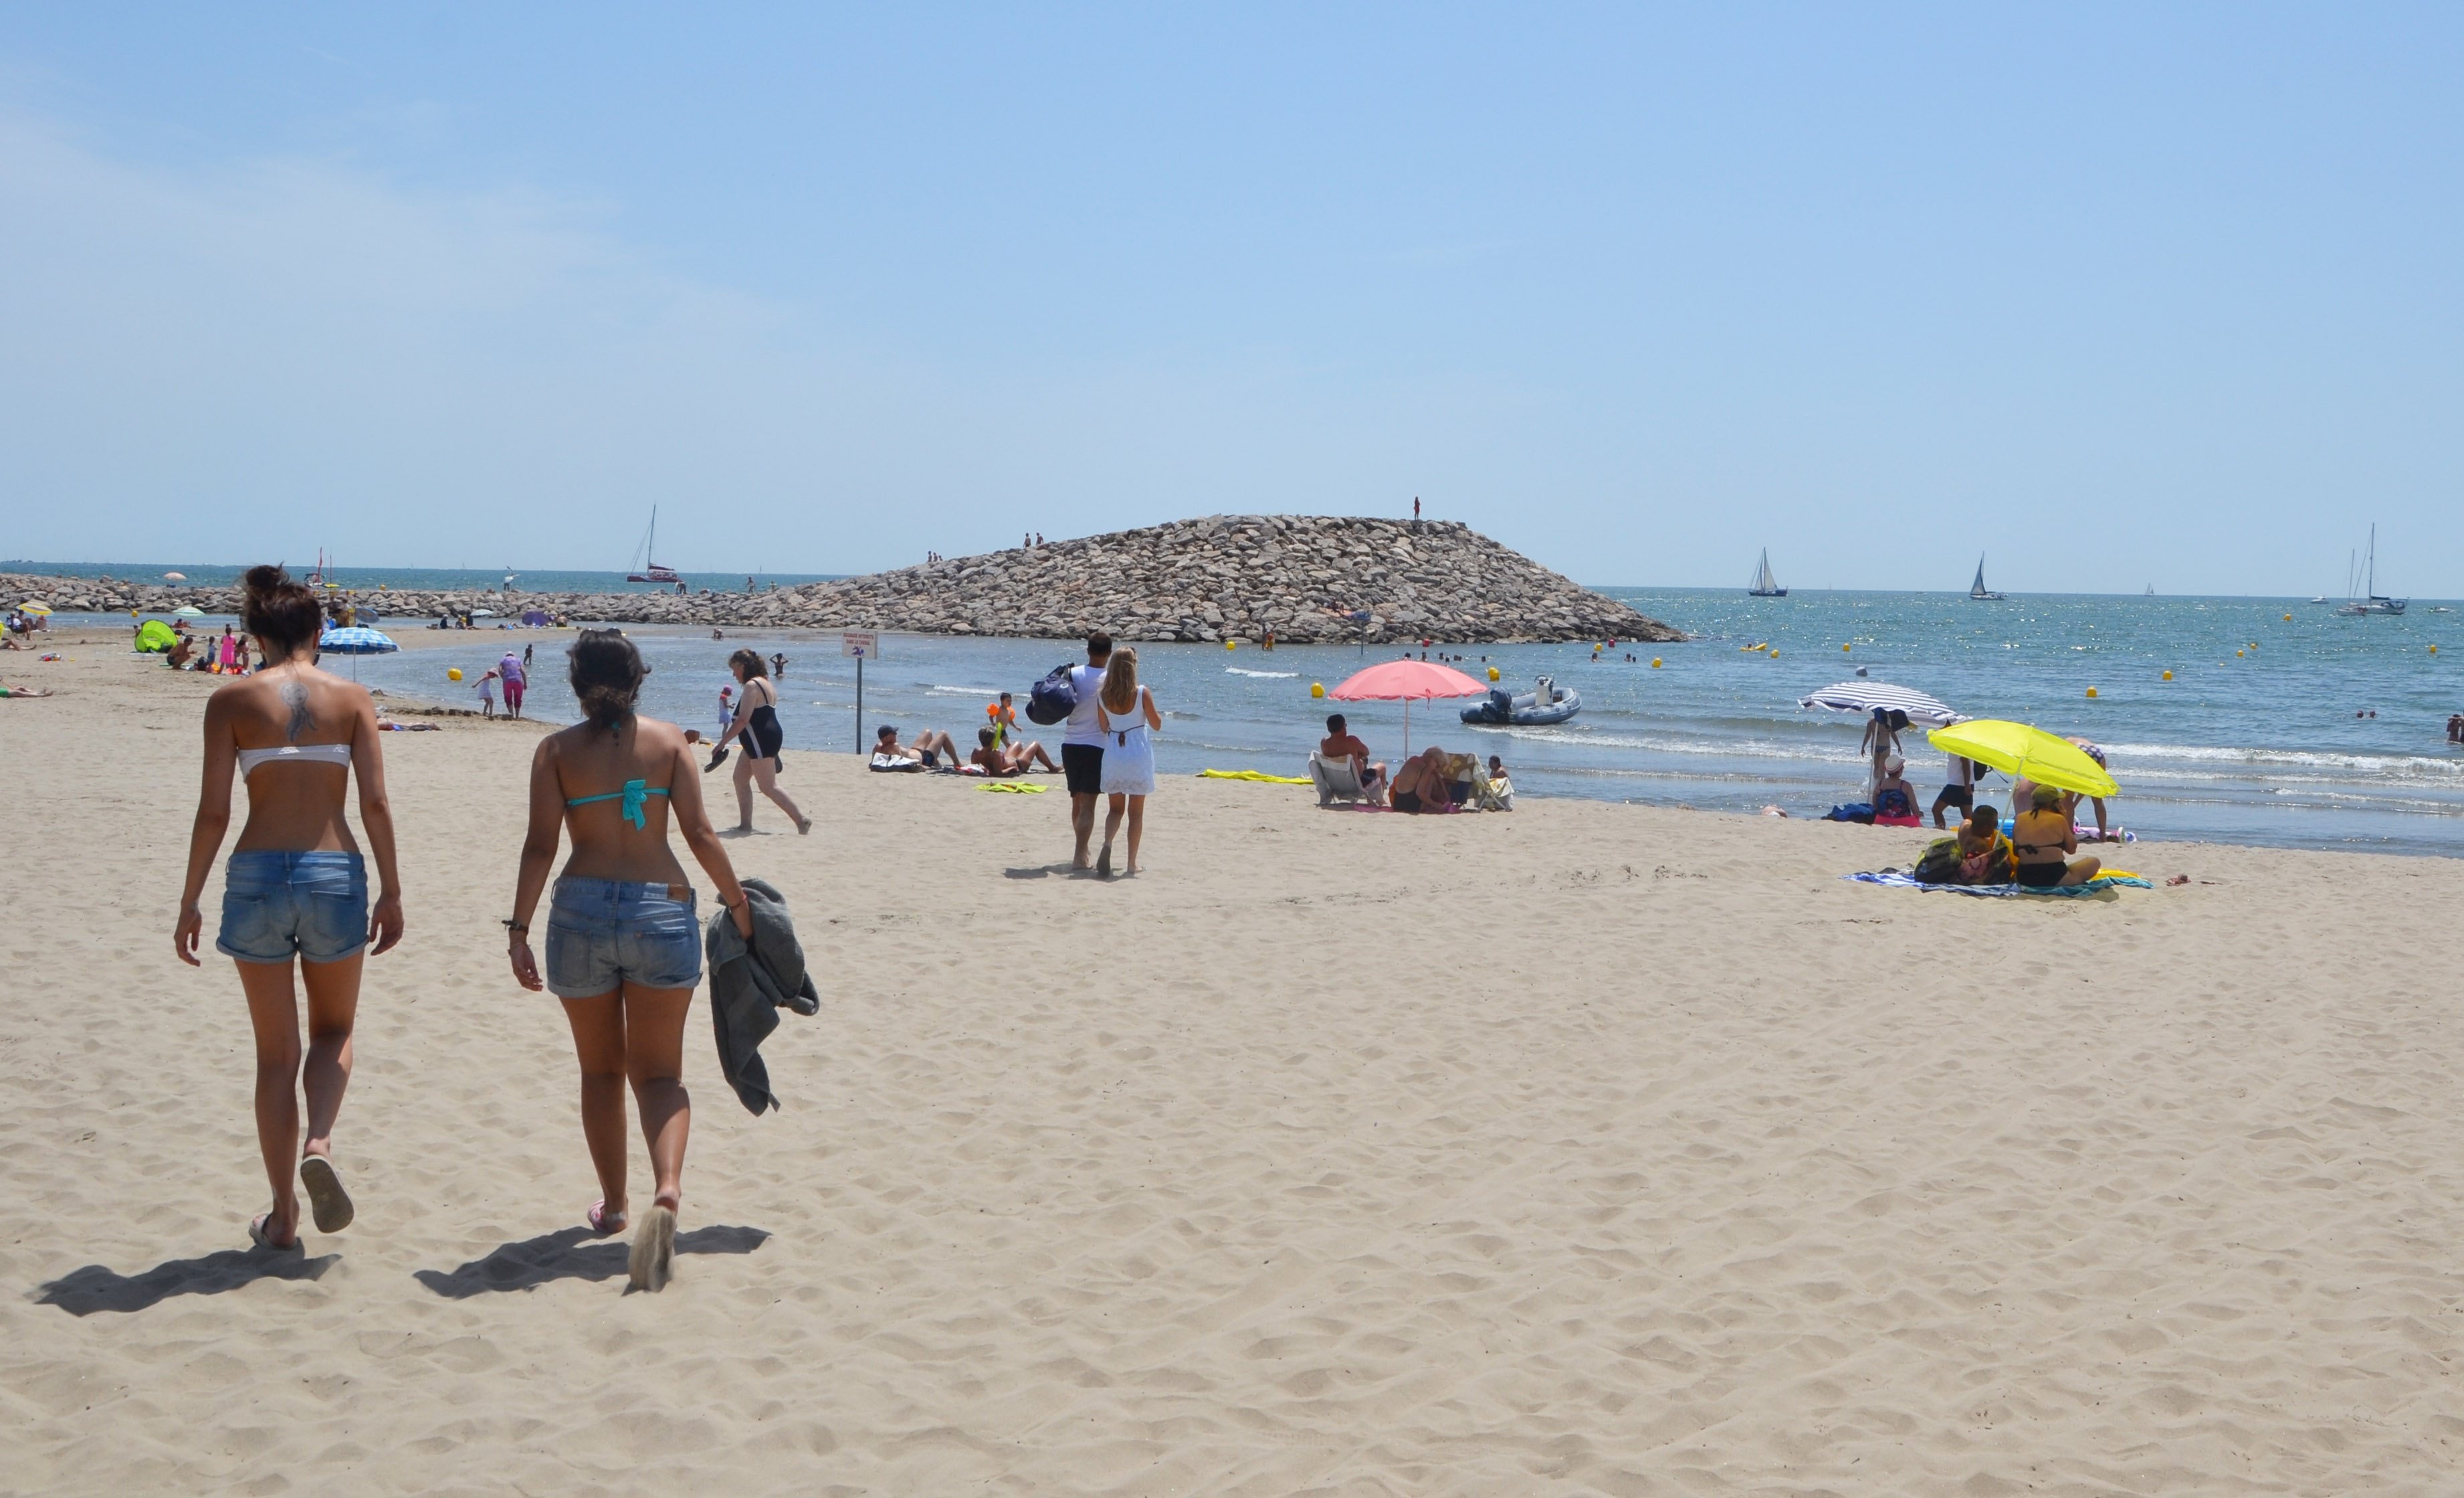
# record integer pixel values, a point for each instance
(654, 1058)
(1138, 825)
(1115, 805)
(766, 771)
(599, 1045)
(274, 1014)
(743, 786)
(2082, 870)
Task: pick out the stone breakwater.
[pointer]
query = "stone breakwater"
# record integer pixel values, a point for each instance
(1308, 578)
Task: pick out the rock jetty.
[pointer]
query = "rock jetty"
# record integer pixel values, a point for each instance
(1308, 578)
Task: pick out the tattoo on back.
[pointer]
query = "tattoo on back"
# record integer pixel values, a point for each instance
(295, 696)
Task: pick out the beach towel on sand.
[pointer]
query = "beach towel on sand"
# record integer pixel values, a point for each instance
(1253, 775)
(2118, 879)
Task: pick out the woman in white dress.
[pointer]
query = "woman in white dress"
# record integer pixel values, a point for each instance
(1126, 713)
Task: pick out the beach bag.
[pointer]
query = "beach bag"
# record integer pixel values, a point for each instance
(1053, 698)
(1851, 811)
(1940, 862)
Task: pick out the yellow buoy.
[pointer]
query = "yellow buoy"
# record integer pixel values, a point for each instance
(2433, 649)
(2241, 655)
(1492, 673)
(2169, 675)
(1774, 652)
(1844, 650)
(2091, 692)
(2288, 618)
(454, 673)
(1231, 644)
(1655, 663)
(1317, 689)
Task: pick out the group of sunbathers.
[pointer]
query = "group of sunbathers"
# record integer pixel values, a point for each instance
(992, 757)
(1430, 781)
(2035, 852)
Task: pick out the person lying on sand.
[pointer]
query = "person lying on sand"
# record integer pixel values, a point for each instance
(24, 692)
(992, 758)
(1421, 784)
(930, 744)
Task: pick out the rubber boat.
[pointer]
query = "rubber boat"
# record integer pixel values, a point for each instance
(1551, 704)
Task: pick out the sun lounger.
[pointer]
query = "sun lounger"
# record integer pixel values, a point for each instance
(1335, 780)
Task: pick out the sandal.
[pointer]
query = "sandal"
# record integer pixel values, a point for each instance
(603, 1223)
(326, 1197)
(258, 1235)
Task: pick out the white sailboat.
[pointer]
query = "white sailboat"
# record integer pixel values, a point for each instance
(1763, 584)
(2373, 602)
(649, 553)
(1977, 590)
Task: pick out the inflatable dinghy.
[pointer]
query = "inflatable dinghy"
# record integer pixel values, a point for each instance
(1551, 703)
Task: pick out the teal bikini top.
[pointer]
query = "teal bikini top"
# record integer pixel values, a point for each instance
(634, 794)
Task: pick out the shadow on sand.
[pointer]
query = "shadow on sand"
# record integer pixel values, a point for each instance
(82, 1292)
(570, 1254)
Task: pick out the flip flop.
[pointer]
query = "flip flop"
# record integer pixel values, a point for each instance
(258, 1235)
(326, 1197)
(1104, 863)
(654, 1250)
(602, 1222)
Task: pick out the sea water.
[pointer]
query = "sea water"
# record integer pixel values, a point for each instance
(2254, 739)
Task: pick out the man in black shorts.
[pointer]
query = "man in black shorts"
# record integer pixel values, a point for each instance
(1960, 792)
(1082, 745)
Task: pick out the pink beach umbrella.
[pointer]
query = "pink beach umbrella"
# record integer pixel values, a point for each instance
(1390, 681)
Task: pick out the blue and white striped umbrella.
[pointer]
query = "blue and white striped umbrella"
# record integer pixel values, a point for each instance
(1862, 697)
(355, 640)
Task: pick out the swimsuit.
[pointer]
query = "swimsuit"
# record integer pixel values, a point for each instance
(762, 734)
(634, 795)
(275, 904)
(1407, 800)
(295, 754)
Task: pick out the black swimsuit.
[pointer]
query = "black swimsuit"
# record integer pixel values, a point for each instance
(761, 731)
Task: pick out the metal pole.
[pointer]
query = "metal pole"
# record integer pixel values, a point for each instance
(859, 704)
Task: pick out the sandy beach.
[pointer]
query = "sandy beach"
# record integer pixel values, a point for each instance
(1589, 1147)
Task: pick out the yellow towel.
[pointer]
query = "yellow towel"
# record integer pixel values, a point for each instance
(1014, 787)
(1253, 775)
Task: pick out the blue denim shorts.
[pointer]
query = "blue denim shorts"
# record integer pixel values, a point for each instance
(603, 932)
(277, 904)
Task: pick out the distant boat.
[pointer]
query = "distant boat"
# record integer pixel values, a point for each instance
(2373, 602)
(1978, 591)
(649, 552)
(2151, 590)
(1763, 583)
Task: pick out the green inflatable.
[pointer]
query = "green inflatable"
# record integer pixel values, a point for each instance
(154, 637)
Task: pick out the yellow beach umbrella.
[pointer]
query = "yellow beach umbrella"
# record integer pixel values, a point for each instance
(34, 607)
(2018, 749)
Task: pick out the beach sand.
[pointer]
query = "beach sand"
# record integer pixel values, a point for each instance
(1588, 1149)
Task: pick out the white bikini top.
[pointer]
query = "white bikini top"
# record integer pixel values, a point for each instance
(295, 754)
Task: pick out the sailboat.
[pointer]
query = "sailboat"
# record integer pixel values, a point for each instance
(2373, 602)
(2151, 590)
(1763, 584)
(649, 553)
(1978, 591)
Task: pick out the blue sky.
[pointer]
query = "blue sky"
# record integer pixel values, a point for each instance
(2119, 295)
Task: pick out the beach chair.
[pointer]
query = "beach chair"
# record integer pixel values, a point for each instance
(1335, 780)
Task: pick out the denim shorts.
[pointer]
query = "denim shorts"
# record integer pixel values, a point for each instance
(277, 904)
(605, 932)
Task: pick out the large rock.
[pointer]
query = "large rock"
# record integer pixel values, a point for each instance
(1309, 578)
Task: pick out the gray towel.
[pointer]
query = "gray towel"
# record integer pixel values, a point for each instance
(750, 982)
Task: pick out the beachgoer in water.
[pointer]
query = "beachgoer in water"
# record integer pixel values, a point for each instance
(2043, 836)
(779, 666)
(1341, 743)
(1126, 713)
(515, 679)
(296, 888)
(1082, 745)
(757, 724)
(488, 696)
(624, 949)
(1004, 720)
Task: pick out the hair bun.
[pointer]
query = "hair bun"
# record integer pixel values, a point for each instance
(264, 577)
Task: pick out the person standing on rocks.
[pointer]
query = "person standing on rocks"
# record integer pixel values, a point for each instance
(1081, 745)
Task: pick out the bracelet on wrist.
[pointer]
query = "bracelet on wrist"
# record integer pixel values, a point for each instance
(516, 928)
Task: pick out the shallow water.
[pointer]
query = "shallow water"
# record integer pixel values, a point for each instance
(2260, 746)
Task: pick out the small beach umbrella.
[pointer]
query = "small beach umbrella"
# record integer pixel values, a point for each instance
(34, 605)
(355, 640)
(189, 611)
(175, 577)
(1403, 681)
(1862, 697)
(2020, 750)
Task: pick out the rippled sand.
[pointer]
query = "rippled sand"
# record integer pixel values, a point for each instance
(1589, 1149)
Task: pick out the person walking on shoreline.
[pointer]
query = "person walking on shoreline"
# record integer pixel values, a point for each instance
(624, 949)
(510, 671)
(1082, 745)
(296, 887)
(1126, 713)
(757, 724)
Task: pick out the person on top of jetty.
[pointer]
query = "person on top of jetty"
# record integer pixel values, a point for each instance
(623, 948)
(296, 888)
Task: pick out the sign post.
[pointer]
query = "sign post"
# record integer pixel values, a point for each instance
(860, 644)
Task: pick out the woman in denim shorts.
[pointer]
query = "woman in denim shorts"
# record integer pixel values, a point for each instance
(296, 888)
(624, 949)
